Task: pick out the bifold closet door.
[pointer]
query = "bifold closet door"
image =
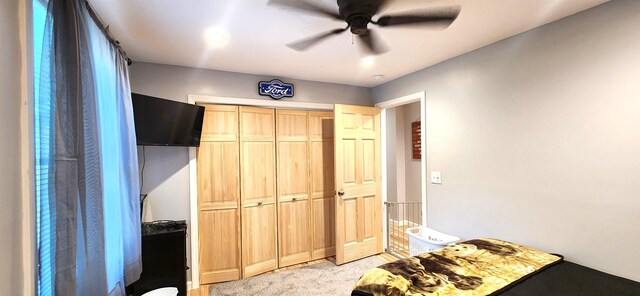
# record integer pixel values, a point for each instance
(219, 196)
(258, 190)
(293, 187)
(321, 183)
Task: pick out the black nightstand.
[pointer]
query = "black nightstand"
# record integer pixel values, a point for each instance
(164, 258)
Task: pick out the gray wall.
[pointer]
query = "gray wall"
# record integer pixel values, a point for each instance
(399, 152)
(10, 84)
(166, 174)
(538, 138)
(392, 167)
(412, 168)
(403, 173)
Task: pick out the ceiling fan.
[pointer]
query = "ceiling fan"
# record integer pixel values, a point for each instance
(358, 14)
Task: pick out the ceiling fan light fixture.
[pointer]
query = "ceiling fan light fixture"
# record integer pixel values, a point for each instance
(368, 61)
(216, 37)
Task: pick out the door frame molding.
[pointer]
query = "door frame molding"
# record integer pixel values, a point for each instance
(404, 100)
(193, 166)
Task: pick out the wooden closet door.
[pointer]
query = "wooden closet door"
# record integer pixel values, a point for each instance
(293, 187)
(258, 179)
(322, 186)
(219, 196)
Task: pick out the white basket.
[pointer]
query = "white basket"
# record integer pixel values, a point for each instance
(424, 239)
(169, 291)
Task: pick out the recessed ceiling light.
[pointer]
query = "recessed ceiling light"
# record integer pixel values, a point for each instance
(368, 61)
(378, 76)
(216, 37)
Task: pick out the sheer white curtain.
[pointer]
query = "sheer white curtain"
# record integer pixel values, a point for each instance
(88, 199)
(119, 161)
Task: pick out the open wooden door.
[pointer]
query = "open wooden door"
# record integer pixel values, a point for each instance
(358, 182)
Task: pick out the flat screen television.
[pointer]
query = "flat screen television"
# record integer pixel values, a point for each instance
(161, 122)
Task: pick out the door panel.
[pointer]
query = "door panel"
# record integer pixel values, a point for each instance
(258, 176)
(218, 177)
(294, 232)
(220, 123)
(349, 165)
(322, 184)
(292, 169)
(258, 197)
(219, 252)
(292, 125)
(324, 242)
(350, 214)
(368, 162)
(321, 125)
(259, 240)
(256, 123)
(357, 165)
(294, 219)
(219, 196)
(369, 223)
(322, 176)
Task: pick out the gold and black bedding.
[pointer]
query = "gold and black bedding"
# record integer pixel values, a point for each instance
(474, 267)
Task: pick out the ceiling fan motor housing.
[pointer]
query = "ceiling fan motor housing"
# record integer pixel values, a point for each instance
(358, 13)
(358, 24)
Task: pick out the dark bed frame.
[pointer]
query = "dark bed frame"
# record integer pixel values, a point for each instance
(567, 279)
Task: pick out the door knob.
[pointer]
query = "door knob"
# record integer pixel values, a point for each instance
(259, 203)
(341, 193)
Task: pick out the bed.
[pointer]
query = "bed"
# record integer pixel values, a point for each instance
(490, 267)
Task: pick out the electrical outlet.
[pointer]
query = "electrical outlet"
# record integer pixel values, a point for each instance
(436, 178)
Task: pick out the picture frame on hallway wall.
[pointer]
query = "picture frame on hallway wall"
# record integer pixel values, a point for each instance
(416, 142)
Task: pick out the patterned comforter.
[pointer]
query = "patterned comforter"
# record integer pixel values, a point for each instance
(474, 267)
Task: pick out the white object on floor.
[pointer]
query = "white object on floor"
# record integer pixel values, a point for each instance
(169, 291)
(423, 239)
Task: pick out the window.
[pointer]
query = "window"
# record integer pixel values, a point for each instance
(88, 121)
(41, 108)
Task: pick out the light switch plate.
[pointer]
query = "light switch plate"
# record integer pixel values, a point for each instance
(436, 177)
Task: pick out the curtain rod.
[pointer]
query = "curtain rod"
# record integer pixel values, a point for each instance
(105, 30)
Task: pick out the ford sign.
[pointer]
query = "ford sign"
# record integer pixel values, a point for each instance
(276, 89)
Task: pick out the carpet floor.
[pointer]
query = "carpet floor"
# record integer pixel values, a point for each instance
(319, 279)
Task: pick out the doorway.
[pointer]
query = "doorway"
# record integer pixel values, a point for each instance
(404, 169)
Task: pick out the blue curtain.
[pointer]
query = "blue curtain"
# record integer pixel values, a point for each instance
(87, 182)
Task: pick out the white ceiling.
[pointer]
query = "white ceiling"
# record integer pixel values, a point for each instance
(172, 32)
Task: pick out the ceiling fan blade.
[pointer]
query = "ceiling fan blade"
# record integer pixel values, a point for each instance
(372, 43)
(381, 4)
(306, 7)
(304, 44)
(367, 7)
(438, 18)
